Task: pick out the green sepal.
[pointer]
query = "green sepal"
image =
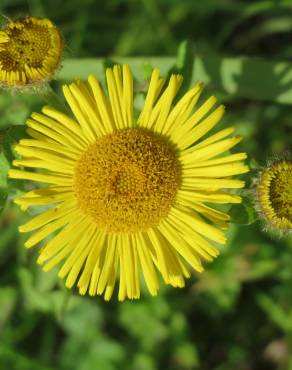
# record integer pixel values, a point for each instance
(243, 213)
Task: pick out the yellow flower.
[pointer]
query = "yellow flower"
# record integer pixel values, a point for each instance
(274, 195)
(30, 52)
(127, 195)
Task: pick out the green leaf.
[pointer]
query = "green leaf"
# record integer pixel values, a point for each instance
(8, 299)
(282, 318)
(4, 167)
(3, 199)
(187, 355)
(243, 213)
(252, 78)
(11, 137)
(184, 65)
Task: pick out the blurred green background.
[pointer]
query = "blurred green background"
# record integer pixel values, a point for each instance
(238, 314)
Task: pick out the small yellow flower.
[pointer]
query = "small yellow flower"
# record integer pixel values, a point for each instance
(274, 194)
(128, 196)
(30, 52)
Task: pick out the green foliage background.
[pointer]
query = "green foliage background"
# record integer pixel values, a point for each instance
(238, 314)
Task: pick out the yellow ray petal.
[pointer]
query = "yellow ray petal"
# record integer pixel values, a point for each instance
(168, 260)
(210, 184)
(191, 245)
(102, 104)
(113, 82)
(211, 139)
(71, 136)
(49, 229)
(212, 150)
(54, 147)
(128, 96)
(97, 270)
(108, 263)
(223, 170)
(75, 107)
(123, 263)
(78, 255)
(58, 257)
(166, 103)
(161, 109)
(47, 132)
(128, 262)
(188, 231)
(181, 246)
(97, 244)
(200, 130)
(199, 226)
(41, 137)
(50, 179)
(112, 279)
(65, 121)
(54, 245)
(39, 197)
(136, 268)
(182, 109)
(90, 114)
(39, 163)
(147, 264)
(202, 208)
(195, 118)
(222, 160)
(154, 89)
(161, 262)
(60, 246)
(79, 246)
(47, 216)
(211, 197)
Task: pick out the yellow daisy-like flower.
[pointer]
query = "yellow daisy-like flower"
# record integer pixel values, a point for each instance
(30, 51)
(274, 195)
(128, 195)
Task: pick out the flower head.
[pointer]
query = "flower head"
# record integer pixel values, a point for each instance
(274, 195)
(30, 52)
(128, 196)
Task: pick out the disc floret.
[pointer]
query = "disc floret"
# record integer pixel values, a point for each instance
(127, 180)
(274, 194)
(30, 52)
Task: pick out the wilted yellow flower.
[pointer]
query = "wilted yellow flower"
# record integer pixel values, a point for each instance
(274, 195)
(30, 52)
(128, 196)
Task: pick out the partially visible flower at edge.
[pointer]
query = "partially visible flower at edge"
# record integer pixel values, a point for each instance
(274, 195)
(129, 196)
(30, 52)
